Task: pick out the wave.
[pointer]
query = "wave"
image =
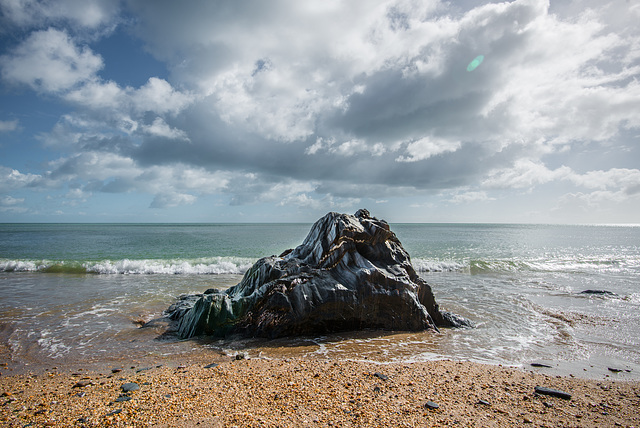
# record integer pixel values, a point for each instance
(202, 266)
(239, 265)
(629, 265)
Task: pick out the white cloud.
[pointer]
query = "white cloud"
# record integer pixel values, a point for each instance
(169, 200)
(160, 128)
(468, 197)
(86, 13)
(12, 179)
(427, 147)
(526, 173)
(49, 61)
(159, 97)
(8, 125)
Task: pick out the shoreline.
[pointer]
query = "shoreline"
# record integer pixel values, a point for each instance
(183, 392)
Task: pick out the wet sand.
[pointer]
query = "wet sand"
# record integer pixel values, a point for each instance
(293, 392)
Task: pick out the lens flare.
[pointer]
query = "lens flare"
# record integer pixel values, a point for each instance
(475, 63)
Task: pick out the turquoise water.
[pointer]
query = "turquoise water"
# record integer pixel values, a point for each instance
(77, 292)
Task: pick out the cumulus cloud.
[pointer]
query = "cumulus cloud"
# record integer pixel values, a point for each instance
(321, 103)
(49, 61)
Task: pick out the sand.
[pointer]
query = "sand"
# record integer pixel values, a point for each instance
(295, 392)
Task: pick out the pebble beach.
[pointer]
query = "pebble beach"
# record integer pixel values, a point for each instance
(294, 392)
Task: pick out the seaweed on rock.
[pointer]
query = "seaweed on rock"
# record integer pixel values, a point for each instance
(350, 273)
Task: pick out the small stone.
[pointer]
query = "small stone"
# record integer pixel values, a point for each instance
(116, 370)
(381, 376)
(547, 404)
(211, 366)
(552, 392)
(143, 369)
(115, 412)
(484, 403)
(239, 357)
(129, 387)
(82, 383)
(540, 365)
(614, 370)
(431, 405)
(80, 394)
(122, 398)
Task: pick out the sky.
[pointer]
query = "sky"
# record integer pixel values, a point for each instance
(284, 110)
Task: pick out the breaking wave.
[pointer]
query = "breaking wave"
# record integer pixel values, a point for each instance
(239, 265)
(202, 266)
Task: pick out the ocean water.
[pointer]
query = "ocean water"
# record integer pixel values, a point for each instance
(78, 293)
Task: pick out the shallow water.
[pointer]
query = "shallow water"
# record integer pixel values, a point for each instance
(76, 294)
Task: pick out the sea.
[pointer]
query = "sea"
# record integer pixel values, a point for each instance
(82, 294)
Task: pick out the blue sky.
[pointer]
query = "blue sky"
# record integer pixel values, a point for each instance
(253, 111)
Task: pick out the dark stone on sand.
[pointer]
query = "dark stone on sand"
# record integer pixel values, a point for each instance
(130, 387)
(122, 398)
(431, 405)
(239, 357)
(599, 292)
(82, 383)
(116, 370)
(381, 376)
(350, 273)
(546, 366)
(211, 366)
(614, 370)
(484, 403)
(115, 412)
(143, 369)
(552, 392)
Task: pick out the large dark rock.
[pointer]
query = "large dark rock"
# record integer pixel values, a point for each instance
(350, 273)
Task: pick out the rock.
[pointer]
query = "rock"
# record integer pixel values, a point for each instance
(552, 392)
(122, 398)
(484, 403)
(540, 365)
(431, 405)
(211, 366)
(116, 370)
(381, 376)
(599, 292)
(614, 370)
(82, 383)
(350, 273)
(130, 387)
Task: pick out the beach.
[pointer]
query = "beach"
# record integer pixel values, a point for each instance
(292, 392)
(71, 336)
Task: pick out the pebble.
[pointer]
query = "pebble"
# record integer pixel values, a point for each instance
(211, 366)
(614, 370)
(122, 398)
(540, 365)
(82, 383)
(115, 412)
(143, 369)
(484, 403)
(552, 392)
(431, 405)
(116, 370)
(381, 376)
(129, 387)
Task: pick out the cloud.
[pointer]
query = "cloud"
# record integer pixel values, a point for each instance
(8, 125)
(321, 103)
(85, 13)
(467, 197)
(49, 61)
(169, 200)
(427, 147)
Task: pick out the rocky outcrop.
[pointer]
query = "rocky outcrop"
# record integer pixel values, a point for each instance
(350, 273)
